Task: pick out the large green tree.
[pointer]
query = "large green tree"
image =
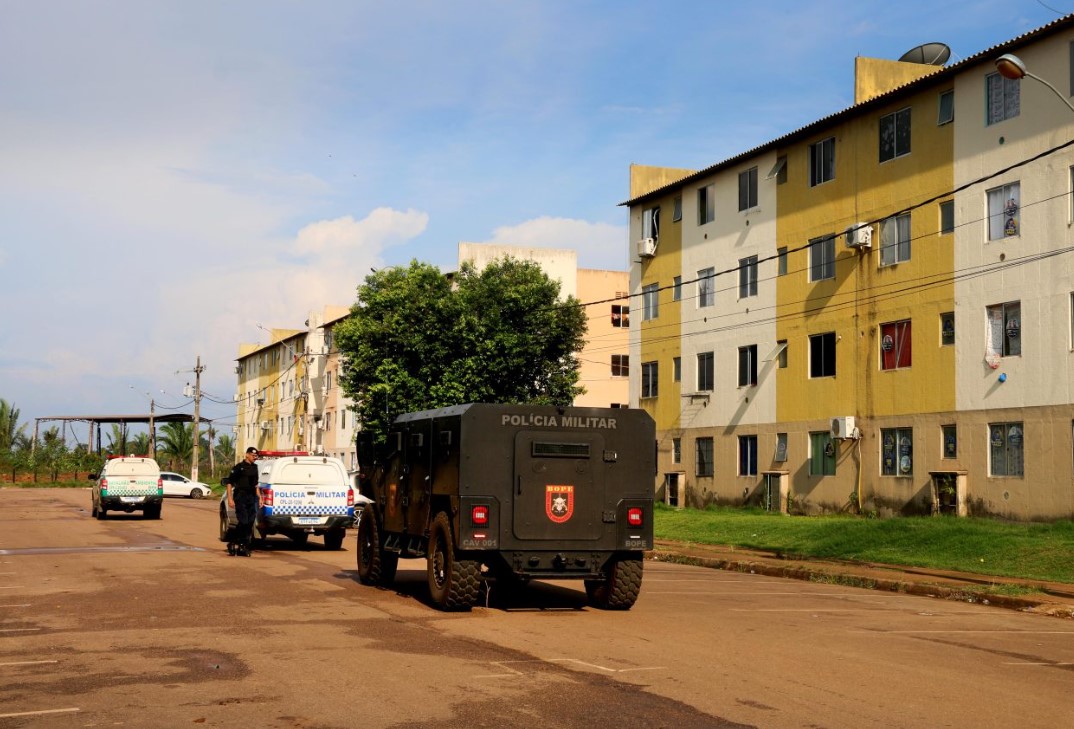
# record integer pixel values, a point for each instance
(12, 434)
(417, 340)
(175, 445)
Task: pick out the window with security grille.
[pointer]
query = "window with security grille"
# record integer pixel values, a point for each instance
(1003, 98)
(895, 239)
(620, 365)
(1004, 208)
(706, 287)
(747, 455)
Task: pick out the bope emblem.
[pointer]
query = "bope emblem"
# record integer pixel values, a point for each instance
(559, 502)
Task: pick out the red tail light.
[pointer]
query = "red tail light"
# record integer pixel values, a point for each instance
(350, 497)
(634, 517)
(104, 486)
(266, 497)
(160, 484)
(480, 515)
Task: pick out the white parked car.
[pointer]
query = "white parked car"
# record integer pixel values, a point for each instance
(178, 485)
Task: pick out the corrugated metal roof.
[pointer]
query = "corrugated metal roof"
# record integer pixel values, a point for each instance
(988, 54)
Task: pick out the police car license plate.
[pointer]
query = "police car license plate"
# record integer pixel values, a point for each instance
(309, 520)
(131, 499)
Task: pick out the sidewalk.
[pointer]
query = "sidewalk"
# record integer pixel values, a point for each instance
(1049, 598)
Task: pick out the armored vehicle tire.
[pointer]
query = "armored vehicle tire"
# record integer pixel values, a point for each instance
(375, 566)
(620, 590)
(333, 538)
(300, 538)
(453, 583)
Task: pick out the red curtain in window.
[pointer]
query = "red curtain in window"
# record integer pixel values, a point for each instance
(895, 347)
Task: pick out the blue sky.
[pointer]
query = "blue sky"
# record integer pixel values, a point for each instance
(174, 174)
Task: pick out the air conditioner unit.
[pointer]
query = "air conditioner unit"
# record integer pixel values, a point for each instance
(843, 427)
(859, 235)
(647, 247)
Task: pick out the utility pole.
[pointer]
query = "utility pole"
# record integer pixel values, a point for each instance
(152, 429)
(197, 418)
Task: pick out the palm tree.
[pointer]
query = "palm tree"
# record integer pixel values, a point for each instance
(117, 440)
(140, 444)
(225, 451)
(175, 441)
(10, 430)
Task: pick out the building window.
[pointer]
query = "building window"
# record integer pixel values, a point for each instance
(676, 288)
(1002, 98)
(747, 366)
(1003, 208)
(1006, 449)
(676, 369)
(1072, 180)
(946, 114)
(779, 170)
(947, 217)
(895, 345)
(328, 380)
(747, 455)
(620, 315)
(822, 161)
(822, 258)
(895, 239)
(703, 451)
(897, 451)
(706, 287)
(620, 365)
(650, 223)
(895, 134)
(947, 328)
(781, 358)
(706, 371)
(780, 455)
(676, 450)
(949, 448)
(676, 209)
(649, 303)
(781, 261)
(649, 376)
(822, 355)
(747, 277)
(821, 454)
(706, 204)
(1072, 320)
(1005, 329)
(747, 189)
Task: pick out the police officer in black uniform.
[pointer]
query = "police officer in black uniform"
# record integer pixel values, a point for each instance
(242, 497)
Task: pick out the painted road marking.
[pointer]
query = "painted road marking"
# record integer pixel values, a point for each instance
(25, 604)
(39, 713)
(1039, 663)
(26, 663)
(514, 673)
(11, 587)
(948, 632)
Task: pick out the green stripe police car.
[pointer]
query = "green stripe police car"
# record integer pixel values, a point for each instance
(128, 483)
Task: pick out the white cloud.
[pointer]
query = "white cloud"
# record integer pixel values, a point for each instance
(381, 228)
(599, 245)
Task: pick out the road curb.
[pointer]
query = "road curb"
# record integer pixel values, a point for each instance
(835, 576)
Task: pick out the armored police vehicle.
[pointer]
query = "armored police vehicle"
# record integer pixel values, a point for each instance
(511, 493)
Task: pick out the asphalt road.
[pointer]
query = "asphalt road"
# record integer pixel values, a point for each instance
(134, 623)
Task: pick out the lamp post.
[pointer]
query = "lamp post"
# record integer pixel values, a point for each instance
(1011, 66)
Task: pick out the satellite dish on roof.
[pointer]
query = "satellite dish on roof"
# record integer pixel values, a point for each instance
(932, 54)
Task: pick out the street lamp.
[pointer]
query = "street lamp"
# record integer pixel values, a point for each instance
(1011, 66)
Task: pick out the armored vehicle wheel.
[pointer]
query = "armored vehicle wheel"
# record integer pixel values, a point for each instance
(375, 566)
(333, 538)
(620, 590)
(453, 583)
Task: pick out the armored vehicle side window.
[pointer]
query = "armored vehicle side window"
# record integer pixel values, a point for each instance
(560, 450)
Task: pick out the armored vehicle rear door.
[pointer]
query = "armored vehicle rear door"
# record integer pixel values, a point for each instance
(558, 485)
